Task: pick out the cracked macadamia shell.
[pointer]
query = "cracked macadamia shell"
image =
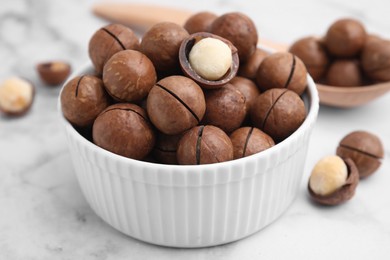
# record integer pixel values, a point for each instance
(184, 56)
(343, 193)
(282, 70)
(109, 40)
(365, 149)
(128, 76)
(278, 112)
(124, 129)
(204, 145)
(175, 104)
(53, 73)
(82, 99)
(249, 140)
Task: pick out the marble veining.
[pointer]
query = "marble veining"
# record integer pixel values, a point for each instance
(43, 213)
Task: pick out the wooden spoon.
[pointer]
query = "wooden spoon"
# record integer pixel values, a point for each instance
(144, 16)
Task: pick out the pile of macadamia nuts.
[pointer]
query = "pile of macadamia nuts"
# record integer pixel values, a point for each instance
(346, 56)
(174, 97)
(334, 178)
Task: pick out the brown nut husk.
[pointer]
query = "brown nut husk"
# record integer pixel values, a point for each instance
(83, 99)
(165, 148)
(200, 22)
(375, 59)
(124, 129)
(109, 40)
(175, 104)
(249, 140)
(345, 73)
(346, 192)
(225, 108)
(240, 30)
(282, 70)
(184, 51)
(161, 44)
(313, 54)
(128, 76)
(204, 145)
(278, 112)
(248, 88)
(16, 96)
(345, 38)
(53, 73)
(248, 69)
(365, 149)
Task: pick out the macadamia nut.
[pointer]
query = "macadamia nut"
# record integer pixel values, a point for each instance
(16, 95)
(211, 58)
(328, 175)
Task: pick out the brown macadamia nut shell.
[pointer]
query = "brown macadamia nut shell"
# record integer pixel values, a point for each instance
(282, 70)
(345, 38)
(109, 40)
(278, 112)
(225, 108)
(248, 69)
(365, 149)
(161, 44)
(240, 30)
(249, 140)
(53, 73)
(128, 76)
(82, 99)
(165, 148)
(313, 54)
(375, 59)
(204, 145)
(200, 22)
(175, 104)
(124, 129)
(248, 88)
(346, 73)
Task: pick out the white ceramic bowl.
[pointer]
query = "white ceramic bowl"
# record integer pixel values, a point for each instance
(195, 205)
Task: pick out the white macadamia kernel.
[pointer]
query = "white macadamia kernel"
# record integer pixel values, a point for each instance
(16, 95)
(328, 175)
(210, 58)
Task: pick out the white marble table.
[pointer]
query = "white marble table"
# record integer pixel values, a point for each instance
(43, 214)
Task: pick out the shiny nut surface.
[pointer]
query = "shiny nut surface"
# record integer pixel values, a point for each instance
(83, 98)
(282, 70)
(124, 129)
(128, 76)
(278, 112)
(204, 145)
(109, 40)
(175, 104)
(365, 149)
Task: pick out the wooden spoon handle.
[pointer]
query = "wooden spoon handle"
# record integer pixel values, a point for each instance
(145, 16)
